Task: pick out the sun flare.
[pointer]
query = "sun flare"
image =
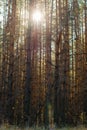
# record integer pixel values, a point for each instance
(37, 16)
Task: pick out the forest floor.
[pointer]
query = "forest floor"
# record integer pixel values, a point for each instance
(3, 127)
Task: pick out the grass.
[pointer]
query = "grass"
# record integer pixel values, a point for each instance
(7, 127)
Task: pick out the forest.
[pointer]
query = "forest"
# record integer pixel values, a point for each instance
(43, 62)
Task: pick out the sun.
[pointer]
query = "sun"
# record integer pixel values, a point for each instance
(37, 16)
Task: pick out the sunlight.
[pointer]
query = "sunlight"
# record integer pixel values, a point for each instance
(37, 16)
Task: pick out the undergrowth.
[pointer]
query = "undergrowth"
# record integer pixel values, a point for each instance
(9, 127)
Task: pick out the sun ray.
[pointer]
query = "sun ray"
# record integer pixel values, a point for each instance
(37, 16)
